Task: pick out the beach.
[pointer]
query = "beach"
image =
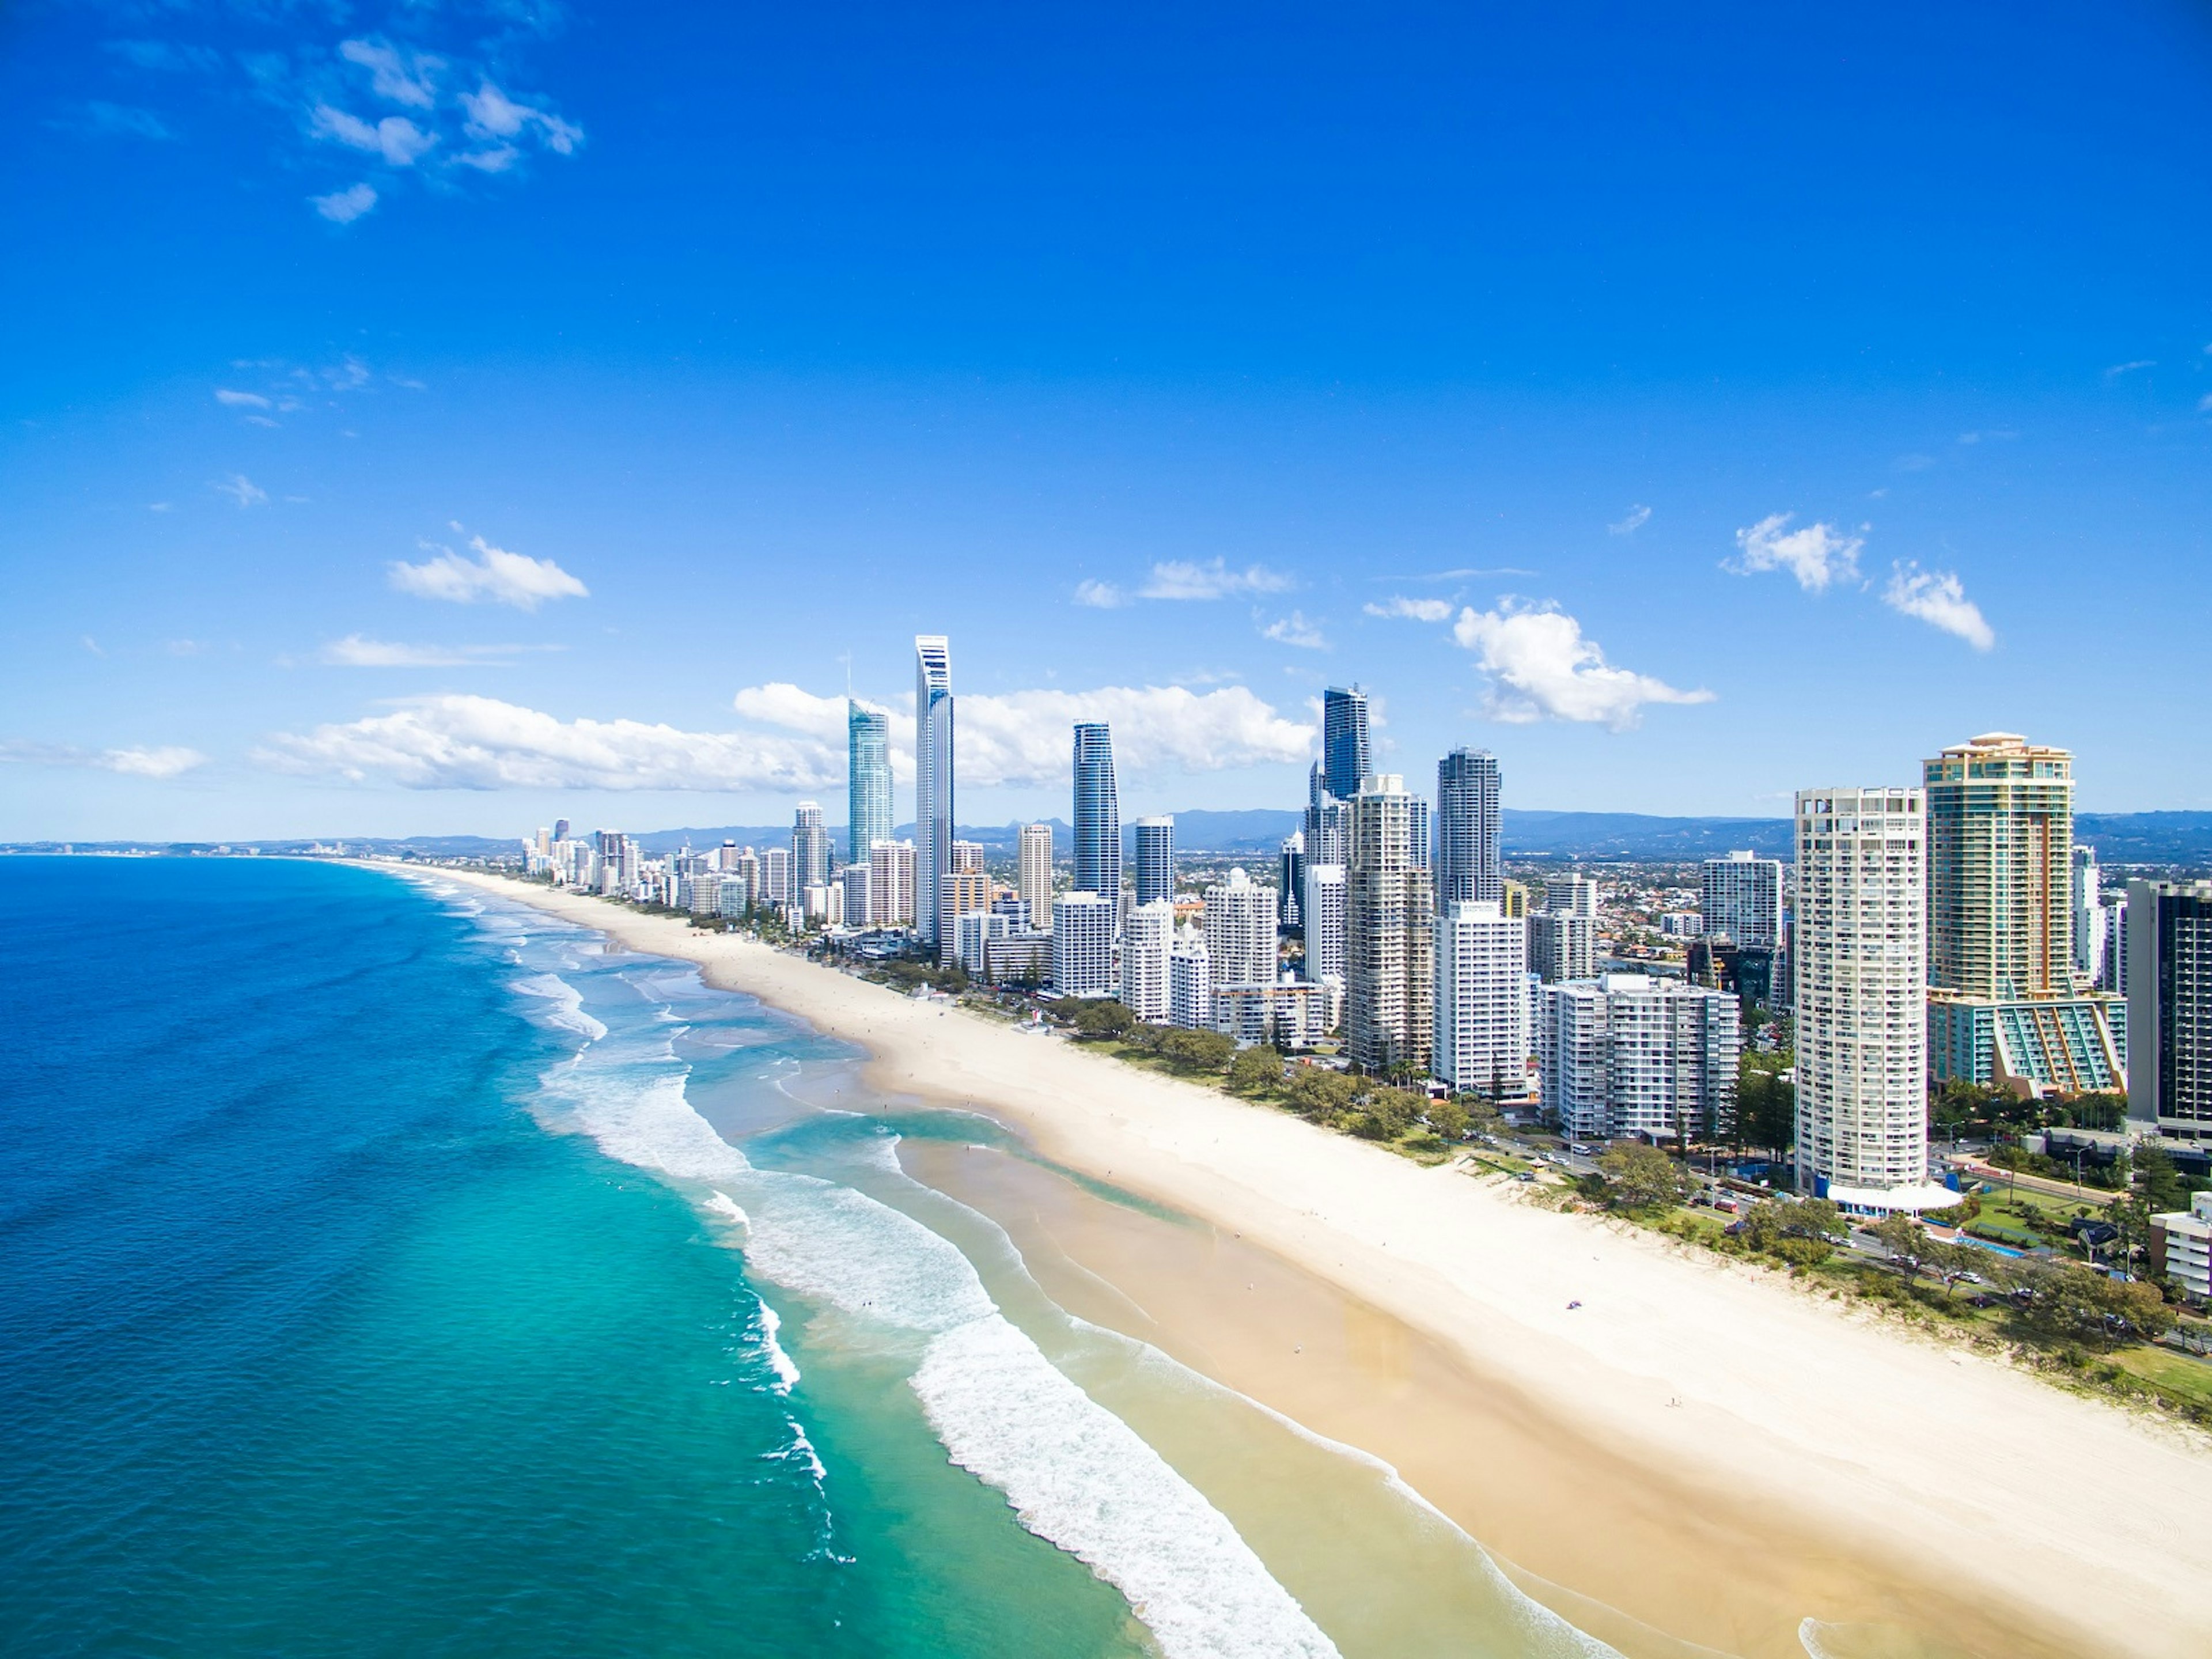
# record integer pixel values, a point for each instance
(1653, 1441)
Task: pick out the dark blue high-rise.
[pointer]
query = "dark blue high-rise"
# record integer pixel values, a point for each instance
(1343, 740)
(1467, 862)
(1097, 813)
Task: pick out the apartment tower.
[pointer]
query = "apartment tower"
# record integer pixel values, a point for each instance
(1344, 740)
(1468, 865)
(1033, 872)
(1155, 869)
(1097, 814)
(932, 776)
(1390, 978)
(867, 781)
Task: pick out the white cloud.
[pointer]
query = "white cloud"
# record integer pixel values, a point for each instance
(343, 207)
(1294, 630)
(1544, 669)
(396, 138)
(2118, 369)
(358, 651)
(240, 399)
(783, 704)
(1101, 596)
(2205, 404)
(456, 741)
(1428, 610)
(502, 577)
(1182, 578)
(1636, 519)
(1817, 555)
(1938, 598)
(167, 762)
(243, 490)
(494, 115)
(408, 79)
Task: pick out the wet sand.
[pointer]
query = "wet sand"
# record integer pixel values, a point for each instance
(1686, 1440)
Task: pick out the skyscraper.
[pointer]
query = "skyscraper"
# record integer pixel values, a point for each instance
(891, 875)
(810, 848)
(2002, 1007)
(2088, 914)
(1083, 945)
(1344, 740)
(932, 776)
(1097, 813)
(868, 780)
(1155, 870)
(1861, 956)
(1291, 879)
(1389, 981)
(1740, 896)
(1033, 872)
(1321, 907)
(1562, 945)
(1482, 1000)
(2169, 976)
(1468, 867)
(1240, 931)
(1145, 945)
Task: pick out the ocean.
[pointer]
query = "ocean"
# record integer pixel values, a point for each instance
(388, 1269)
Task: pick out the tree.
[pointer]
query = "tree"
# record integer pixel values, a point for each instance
(2158, 1182)
(1907, 1244)
(1641, 1177)
(1448, 1119)
(1101, 1016)
(1950, 1262)
(1393, 1111)
(1482, 1117)
(1766, 1106)
(1255, 1071)
(1200, 1051)
(1321, 1095)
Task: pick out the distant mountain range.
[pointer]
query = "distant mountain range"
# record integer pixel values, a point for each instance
(2183, 839)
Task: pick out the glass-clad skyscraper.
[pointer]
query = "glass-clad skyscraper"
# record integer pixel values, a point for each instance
(1155, 870)
(1097, 813)
(1343, 740)
(868, 780)
(1468, 869)
(932, 776)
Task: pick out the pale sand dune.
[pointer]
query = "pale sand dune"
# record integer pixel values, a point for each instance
(1888, 1469)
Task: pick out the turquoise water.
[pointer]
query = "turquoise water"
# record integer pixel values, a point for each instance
(385, 1270)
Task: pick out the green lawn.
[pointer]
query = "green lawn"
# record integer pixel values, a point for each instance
(2176, 1374)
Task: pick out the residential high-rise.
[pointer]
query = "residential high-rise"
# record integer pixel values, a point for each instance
(1388, 971)
(560, 829)
(1155, 869)
(810, 848)
(2087, 916)
(1291, 879)
(859, 903)
(1562, 945)
(1575, 895)
(2169, 973)
(932, 776)
(1344, 740)
(1190, 986)
(776, 886)
(1033, 872)
(867, 781)
(1328, 822)
(1861, 949)
(959, 893)
(1083, 945)
(1628, 1055)
(1240, 931)
(1740, 896)
(1468, 863)
(1322, 907)
(967, 858)
(891, 879)
(1147, 944)
(1097, 813)
(2002, 1007)
(1482, 1041)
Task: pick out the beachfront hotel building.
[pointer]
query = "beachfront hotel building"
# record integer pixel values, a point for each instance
(1240, 931)
(1740, 896)
(1389, 912)
(1154, 873)
(1033, 872)
(1481, 1042)
(1344, 740)
(1468, 861)
(932, 776)
(1083, 945)
(859, 903)
(2169, 976)
(868, 781)
(1097, 814)
(2004, 1010)
(1627, 1055)
(1147, 942)
(1190, 986)
(892, 866)
(1862, 955)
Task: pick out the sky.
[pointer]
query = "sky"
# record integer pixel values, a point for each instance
(433, 418)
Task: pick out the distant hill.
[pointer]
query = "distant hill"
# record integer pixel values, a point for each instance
(2147, 837)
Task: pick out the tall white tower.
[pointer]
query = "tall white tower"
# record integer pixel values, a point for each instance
(932, 776)
(1034, 873)
(1861, 942)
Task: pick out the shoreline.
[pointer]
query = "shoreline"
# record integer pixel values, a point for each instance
(1695, 1447)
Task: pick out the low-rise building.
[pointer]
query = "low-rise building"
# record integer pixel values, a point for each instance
(1628, 1055)
(1290, 1013)
(2181, 1247)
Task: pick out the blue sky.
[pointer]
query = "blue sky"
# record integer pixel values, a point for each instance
(435, 418)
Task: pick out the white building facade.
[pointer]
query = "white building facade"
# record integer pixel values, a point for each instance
(1240, 931)
(1481, 1042)
(1083, 945)
(1626, 1054)
(1190, 986)
(1740, 896)
(1147, 942)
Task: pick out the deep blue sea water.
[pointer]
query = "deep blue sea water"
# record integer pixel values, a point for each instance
(384, 1269)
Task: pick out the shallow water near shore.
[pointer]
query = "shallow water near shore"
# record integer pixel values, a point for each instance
(389, 1266)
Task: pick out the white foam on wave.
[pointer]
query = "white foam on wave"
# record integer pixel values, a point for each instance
(567, 1011)
(786, 1369)
(723, 1207)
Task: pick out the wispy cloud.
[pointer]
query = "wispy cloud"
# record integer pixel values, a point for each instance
(1293, 630)
(2117, 369)
(1460, 575)
(106, 120)
(1100, 596)
(138, 761)
(1938, 598)
(1816, 556)
(1178, 579)
(496, 574)
(395, 137)
(1994, 434)
(230, 399)
(1636, 518)
(1541, 667)
(1427, 611)
(343, 207)
(359, 651)
(242, 490)
(397, 76)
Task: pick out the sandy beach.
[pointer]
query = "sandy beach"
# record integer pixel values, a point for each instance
(1696, 1446)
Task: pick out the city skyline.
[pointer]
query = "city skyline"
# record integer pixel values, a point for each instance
(320, 545)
